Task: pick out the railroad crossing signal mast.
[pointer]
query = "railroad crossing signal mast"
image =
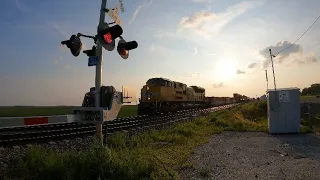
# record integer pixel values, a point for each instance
(106, 36)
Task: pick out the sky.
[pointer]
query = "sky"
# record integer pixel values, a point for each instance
(221, 45)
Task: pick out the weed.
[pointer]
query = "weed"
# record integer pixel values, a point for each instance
(117, 141)
(187, 165)
(204, 173)
(305, 129)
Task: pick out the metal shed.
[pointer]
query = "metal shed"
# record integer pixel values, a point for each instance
(284, 110)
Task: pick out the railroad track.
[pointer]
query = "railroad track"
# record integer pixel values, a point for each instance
(136, 124)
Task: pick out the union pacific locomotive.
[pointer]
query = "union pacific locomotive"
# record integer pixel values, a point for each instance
(163, 95)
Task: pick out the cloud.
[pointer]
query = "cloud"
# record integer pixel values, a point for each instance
(136, 12)
(57, 61)
(304, 58)
(152, 48)
(195, 20)
(201, 1)
(70, 69)
(252, 65)
(293, 52)
(22, 7)
(163, 34)
(155, 48)
(4, 77)
(26, 9)
(195, 51)
(211, 54)
(220, 85)
(206, 23)
(240, 72)
(67, 66)
(294, 48)
(194, 74)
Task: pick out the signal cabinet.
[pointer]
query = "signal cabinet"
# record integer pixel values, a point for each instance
(284, 110)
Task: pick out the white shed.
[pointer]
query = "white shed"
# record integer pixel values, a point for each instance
(284, 110)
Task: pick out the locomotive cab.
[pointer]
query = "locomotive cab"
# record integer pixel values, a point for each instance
(153, 94)
(153, 88)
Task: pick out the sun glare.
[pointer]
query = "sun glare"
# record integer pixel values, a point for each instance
(225, 70)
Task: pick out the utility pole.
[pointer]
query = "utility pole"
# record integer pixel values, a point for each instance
(276, 105)
(274, 77)
(267, 80)
(98, 113)
(98, 80)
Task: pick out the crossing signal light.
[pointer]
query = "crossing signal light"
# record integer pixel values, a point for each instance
(107, 35)
(91, 52)
(111, 33)
(74, 44)
(124, 48)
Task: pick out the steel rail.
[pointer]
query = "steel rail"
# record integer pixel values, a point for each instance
(131, 125)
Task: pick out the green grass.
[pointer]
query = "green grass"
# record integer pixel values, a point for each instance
(309, 99)
(156, 154)
(312, 124)
(20, 111)
(127, 111)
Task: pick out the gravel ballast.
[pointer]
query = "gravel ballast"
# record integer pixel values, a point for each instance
(256, 155)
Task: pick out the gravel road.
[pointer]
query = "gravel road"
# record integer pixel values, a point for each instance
(256, 155)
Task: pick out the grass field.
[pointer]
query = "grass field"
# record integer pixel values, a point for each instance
(21, 111)
(309, 99)
(157, 154)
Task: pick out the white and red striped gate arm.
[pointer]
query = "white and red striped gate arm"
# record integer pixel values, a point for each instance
(34, 120)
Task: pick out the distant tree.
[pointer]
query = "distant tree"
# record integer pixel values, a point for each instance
(315, 85)
(314, 90)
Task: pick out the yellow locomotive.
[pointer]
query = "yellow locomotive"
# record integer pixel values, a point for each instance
(163, 95)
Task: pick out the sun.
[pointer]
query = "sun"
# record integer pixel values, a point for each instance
(225, 70)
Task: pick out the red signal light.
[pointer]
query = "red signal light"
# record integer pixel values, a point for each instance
(107, 37)
(124, 52)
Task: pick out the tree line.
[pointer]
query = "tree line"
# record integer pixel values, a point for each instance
(313, 90)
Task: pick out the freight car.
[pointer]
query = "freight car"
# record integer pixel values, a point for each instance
(240, 98)
(161, 95)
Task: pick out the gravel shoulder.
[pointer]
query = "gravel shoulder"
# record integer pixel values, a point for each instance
(256, 155)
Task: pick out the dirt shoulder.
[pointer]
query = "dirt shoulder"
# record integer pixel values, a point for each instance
(256, 155)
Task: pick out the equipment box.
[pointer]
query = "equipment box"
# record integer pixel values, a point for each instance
(284, 110)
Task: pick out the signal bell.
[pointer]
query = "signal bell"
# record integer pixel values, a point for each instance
(74, 44)
(107, 35)
(91, 52)
(124, 47)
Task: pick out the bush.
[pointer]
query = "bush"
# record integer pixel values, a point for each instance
(255, 111)
(248, 117)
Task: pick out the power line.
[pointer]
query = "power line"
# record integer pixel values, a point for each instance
(298, 38)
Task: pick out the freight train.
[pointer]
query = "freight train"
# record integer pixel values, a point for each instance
(161, 95)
